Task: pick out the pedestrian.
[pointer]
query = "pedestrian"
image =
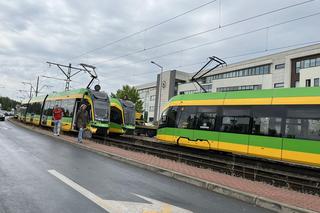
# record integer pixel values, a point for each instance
(81, 121)
(57, 115)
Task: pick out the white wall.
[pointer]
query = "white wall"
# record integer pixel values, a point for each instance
(309, 73)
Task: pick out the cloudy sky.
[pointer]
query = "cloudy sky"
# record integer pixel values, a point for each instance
(67, 31)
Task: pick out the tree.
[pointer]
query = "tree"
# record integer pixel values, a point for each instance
(7, 103)
(132, 95)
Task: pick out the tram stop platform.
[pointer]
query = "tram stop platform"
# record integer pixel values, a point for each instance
(256, 193)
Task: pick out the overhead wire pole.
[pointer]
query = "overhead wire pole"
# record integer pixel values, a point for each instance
(67, 73)
(160, 87)
(37, 87)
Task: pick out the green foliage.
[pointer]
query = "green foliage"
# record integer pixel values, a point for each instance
(132, 95)
(7, 103)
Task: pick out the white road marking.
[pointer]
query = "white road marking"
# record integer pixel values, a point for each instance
(113, 206)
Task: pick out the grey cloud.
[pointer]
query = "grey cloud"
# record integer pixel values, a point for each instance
(33, 32)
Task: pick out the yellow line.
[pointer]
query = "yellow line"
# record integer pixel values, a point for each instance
(247, 101)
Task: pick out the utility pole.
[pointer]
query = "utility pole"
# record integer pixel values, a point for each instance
(36, 90)
(37, 87)
(160, 88)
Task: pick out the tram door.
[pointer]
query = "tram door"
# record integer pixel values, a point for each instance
(186, 118)
(265, 139)
(204, 133)
(78, 103)
(76, 109)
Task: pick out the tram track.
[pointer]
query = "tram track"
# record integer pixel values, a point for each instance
(291, 176)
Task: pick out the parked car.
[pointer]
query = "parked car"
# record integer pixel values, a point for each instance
(2, 117)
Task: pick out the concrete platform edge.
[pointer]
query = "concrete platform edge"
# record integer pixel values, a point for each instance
(224, 190)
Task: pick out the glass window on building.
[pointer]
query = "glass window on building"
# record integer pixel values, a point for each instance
(318, 61)
(308, 83)
(152, 97)
(279, 66)
(312, 62)
(208, 88)
(306, 63)
(316, 82)
(298, 66)
(279, 85)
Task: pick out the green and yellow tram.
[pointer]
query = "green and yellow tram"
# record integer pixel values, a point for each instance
(280, 124)
(122, 117)
(21, 113)
(39, 109)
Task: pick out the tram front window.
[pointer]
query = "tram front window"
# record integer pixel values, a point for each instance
(129, 112)
(129, 116)
(101, 109)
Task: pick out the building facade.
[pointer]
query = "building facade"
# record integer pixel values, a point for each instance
(147, 93)
(293, 68)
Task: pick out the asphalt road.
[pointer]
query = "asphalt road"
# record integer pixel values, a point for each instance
(27, 186)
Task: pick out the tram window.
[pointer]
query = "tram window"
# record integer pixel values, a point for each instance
(206, 117)
(67, 106)
(115, 115)
(34, 108)
(169, 117)
(235, 120)
(37, 108)
(187, 117)
(49, 108)
(267, 120)
(303, 123)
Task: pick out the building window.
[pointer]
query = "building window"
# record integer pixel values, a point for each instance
(279, 85)
(313, 62)
(308, 83)
(316, 82)
(239, 88)
(152, 97)
(187, 92)
(259, 70)
(207, 88)
(298, 66)
(151, 119)
(279, 66)
(151, 108)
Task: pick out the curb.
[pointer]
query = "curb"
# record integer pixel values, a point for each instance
(224, 190)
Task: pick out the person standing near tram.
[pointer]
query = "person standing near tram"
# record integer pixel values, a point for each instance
(81, 121)
(57, 115)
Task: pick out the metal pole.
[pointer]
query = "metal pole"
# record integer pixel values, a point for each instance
(37, 87)
(160, 88)
(160, 93)
(30, 91)
(68, 78)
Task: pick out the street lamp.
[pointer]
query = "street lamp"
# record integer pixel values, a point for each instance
(160, 87)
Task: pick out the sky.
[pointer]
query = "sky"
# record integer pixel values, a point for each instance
(33, 32)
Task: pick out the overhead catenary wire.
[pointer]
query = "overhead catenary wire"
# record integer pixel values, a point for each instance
(217, 41)
(144, 30)
(234, 56)
(202, 32)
